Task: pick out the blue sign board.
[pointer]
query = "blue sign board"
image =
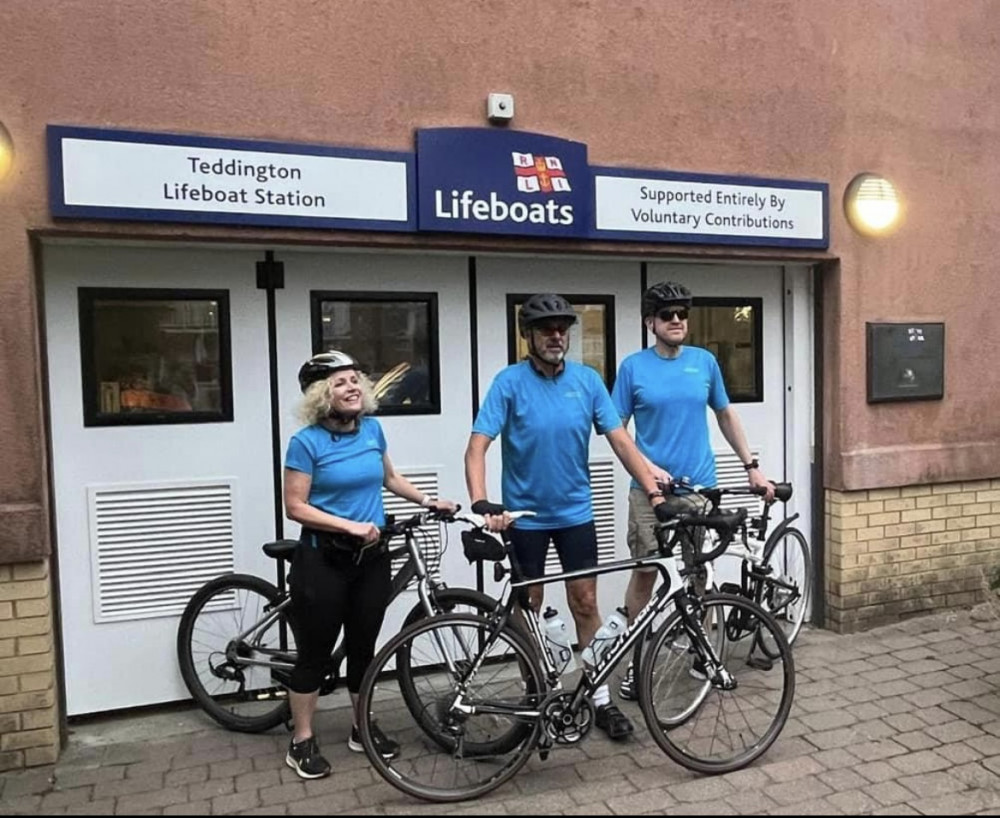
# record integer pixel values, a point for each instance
(481, 180)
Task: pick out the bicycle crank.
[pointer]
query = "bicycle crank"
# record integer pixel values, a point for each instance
(562, 724)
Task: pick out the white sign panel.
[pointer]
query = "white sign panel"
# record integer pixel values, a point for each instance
(709, 209)
(104, 176)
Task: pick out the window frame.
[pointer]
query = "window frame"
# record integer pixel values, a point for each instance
(433, 406)
(606, 300)
(757, 304)
(92, 416)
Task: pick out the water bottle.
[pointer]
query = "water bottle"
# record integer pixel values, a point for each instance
(559, 646)
(615, 624)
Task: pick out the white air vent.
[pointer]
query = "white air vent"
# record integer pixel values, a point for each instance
(602, 484)
(152, 546)
(428, 537)
(729, 473)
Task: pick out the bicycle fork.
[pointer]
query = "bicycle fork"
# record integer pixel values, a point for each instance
(715, 671)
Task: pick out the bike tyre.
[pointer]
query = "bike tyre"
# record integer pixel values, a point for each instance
(218, 705)
(803, 579)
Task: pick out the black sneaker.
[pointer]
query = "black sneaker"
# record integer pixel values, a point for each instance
(306, 760)
(613, 722)
(386, 746)
(627, 689)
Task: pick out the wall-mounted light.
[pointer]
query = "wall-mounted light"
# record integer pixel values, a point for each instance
(6, 151)
(872, 205)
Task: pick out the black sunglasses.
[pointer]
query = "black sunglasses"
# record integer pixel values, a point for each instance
(667, 313)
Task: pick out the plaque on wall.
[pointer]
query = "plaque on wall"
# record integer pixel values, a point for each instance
(905, 361)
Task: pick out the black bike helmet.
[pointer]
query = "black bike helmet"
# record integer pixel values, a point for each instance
(541, 307)
(322, 366)
(662, 294)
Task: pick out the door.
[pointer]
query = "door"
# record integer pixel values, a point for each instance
(406, 319)
(161, 464)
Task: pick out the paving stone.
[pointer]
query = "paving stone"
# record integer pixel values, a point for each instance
(888, 792)
(801, 789)
(852, 802)
(924, 761)
(935, 715)
(835, 759)
(905, 722)
(917, 740)
(843, 780)
(793, 769)
(133, 804)
(190, 808)
(932, 784)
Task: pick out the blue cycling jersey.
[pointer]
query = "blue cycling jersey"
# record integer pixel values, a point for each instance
(668, 398)
(346, 469)
(544, 424)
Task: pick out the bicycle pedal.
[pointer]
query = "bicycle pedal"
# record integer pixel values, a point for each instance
(730, 588)
(543, 755)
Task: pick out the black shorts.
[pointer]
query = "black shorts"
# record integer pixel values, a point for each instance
(576, 546)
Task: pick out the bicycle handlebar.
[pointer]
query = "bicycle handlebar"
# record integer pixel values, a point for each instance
(398, 528)
(782, 491)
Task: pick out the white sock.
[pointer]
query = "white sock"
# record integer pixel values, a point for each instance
(602, 696)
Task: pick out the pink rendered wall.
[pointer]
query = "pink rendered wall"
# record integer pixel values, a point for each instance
(818, 90)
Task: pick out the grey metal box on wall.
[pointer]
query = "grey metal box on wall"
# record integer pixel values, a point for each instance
(905, 361)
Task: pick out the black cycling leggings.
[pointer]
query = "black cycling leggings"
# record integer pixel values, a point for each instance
(329, 590)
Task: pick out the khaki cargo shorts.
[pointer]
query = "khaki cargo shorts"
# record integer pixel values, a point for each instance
(640, 535)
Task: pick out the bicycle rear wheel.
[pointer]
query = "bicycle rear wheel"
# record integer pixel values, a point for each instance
(727, 729)
(214, 660)
(787, 590)
(453, 753)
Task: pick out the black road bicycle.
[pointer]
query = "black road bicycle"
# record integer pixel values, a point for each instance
(469, 698)
(236, 638)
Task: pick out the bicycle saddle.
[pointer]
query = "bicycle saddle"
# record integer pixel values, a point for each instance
(280, 549)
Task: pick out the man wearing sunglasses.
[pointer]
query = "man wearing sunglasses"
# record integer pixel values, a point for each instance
(667, 388)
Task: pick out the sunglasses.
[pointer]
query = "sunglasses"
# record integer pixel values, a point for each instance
(560, 328)
(667, 313)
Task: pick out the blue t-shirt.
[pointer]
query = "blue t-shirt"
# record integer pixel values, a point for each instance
(545, 427)
(346, 469)
(668, 398)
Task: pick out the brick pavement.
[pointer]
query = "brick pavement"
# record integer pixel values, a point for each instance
(903, 719)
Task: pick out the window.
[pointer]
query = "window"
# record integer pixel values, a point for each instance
(394, 337)
(155, 356)
(731, 328)
(592, 338)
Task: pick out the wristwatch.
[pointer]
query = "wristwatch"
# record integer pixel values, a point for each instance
(753, 464)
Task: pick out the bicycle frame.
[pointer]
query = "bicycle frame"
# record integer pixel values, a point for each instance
(282, 660)
(672, 590)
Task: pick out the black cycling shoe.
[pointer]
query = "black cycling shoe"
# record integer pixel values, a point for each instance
(613, 722)
(306, 760)
(387, 748)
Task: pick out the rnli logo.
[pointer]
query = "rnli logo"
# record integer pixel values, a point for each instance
(539, 174)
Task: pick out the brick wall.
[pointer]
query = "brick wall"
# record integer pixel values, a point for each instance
(29, 733)
(894, 553)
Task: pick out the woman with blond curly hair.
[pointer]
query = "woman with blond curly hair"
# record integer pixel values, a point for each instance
(335, 469)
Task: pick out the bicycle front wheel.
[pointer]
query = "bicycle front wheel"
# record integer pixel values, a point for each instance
(478, 701)
(787, 590)
(227, 626)
(725, 727)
